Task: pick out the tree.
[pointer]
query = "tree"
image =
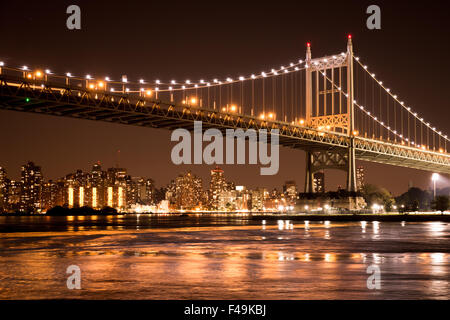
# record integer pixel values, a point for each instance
(58, 211)
(414, 206)
(373, 194)
(441, 203)
(415, 199)
(108, 211)
(389, 204)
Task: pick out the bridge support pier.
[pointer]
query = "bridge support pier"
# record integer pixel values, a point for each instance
(351, 170)
(340, 159)
(336, 159)
(351, 178)
(309, 178)
(344, 121)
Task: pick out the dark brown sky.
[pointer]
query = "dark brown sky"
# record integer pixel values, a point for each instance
(189, 39)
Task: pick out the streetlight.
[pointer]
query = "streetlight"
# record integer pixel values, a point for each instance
(434, 178)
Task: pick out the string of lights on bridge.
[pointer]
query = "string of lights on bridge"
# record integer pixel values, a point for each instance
(374, 118)
(170, 86)
(404, 140)
(173, 85)
(401, 103)
(394, 132)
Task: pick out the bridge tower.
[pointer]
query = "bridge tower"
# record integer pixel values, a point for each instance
(331, 114)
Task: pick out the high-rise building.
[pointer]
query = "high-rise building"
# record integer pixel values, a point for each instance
(115, 175)
(76, 189)
(257, 199)
(274, 194)
(116, 187)
(49, 195)
(217, 185)
(133, 194)
(360, 178)
(70, 188)
(290, 192)
(4, 186)
(14, 192)
(139, 191)
(319, 182)
(170, 193)
(31, 188)
(188, 191)
(227, 200)
(149, 196)
(243, 198)
(96, 187)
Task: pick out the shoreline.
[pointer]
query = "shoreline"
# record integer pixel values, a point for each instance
(361, 217)
(387, 217)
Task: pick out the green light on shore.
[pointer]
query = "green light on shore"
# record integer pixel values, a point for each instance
(27, 99)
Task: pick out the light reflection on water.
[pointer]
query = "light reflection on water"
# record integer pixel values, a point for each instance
(163, 257)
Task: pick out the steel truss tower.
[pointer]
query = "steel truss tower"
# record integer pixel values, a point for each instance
(331, 115)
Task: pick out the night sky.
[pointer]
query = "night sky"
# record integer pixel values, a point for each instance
(194, 40)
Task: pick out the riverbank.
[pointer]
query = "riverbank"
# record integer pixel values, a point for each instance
(394, 217)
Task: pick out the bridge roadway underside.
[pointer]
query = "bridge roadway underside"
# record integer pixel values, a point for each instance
(75, 102)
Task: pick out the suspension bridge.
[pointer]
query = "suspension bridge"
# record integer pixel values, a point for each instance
(331, 107)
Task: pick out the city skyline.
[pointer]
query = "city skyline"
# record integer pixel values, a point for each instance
(114, 187)
(234, 150)
(416, 177)
(79, 142)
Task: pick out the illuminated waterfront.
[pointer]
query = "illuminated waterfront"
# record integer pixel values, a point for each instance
(217, 257)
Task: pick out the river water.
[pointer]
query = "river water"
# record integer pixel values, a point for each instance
(217, 257)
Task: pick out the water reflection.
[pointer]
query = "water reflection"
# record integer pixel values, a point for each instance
(197, 258)
(376, 227)
(436, 228)
(363, 226)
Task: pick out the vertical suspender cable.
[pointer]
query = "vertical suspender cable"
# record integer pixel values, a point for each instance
(317, 93)
(299, 107)
(332, 91)
(401, 121)
(263, 98)
(373, 109)
(325, 92)
(273, 94)
(253, 96)
(340, 91)
(395, 123)
(380, 133)
(242, 98)
(292, 97)
(409, 137)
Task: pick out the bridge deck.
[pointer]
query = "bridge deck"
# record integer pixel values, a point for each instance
(55, 99)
